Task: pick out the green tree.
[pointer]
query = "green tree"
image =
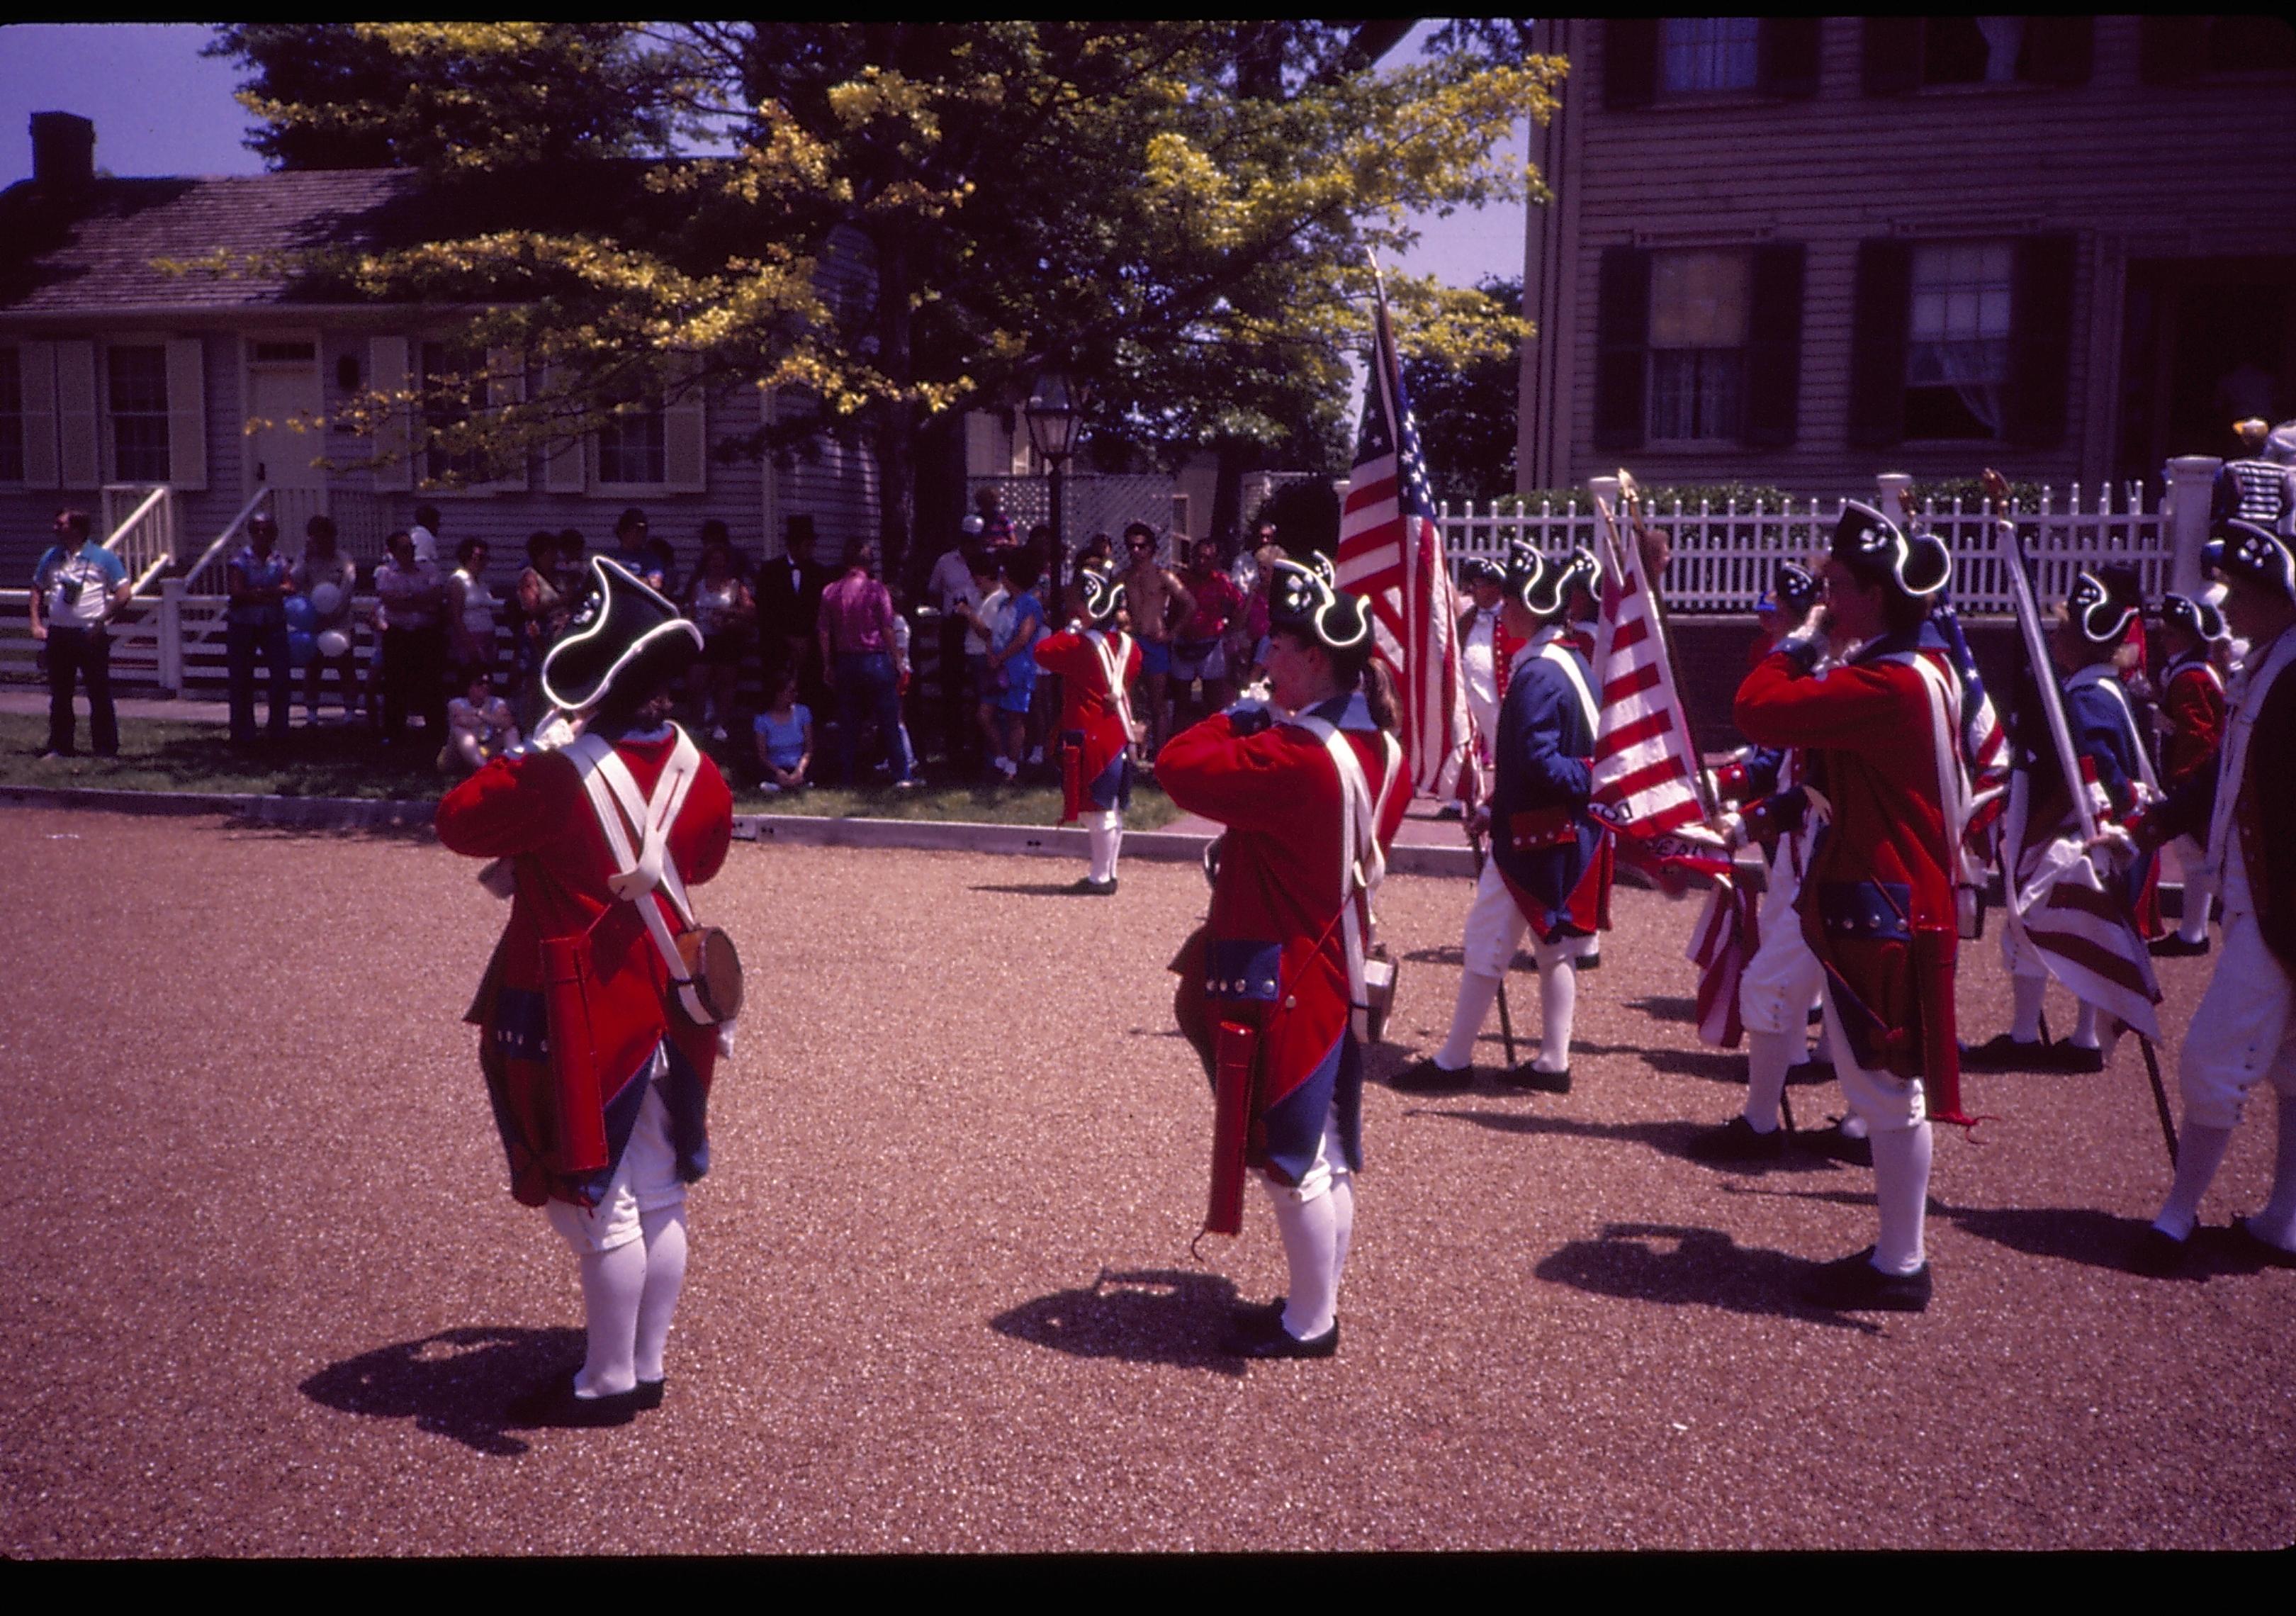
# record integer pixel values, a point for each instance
(1466, 411)
(1178, 213)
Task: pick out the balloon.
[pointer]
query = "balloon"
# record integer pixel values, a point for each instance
(300, 615)
(327, 599)
(333, 641)
(299, 646)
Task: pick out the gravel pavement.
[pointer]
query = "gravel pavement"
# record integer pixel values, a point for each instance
(267, 1293)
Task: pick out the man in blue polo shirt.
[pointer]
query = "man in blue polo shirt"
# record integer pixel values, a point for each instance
(256, 627)
(76, 589)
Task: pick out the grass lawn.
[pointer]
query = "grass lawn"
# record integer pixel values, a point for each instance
(167, 755)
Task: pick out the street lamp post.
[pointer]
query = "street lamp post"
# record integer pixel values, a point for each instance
(1054, 409)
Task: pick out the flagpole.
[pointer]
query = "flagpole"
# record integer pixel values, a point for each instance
(2037, 649)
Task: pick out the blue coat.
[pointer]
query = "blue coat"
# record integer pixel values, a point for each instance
(1540, 832)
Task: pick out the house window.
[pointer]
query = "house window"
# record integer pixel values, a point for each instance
(136, 401)
(12, 415)
(1700, 303)
(631, 450)
(1957, 339)
(452, 371)
(1700, 55)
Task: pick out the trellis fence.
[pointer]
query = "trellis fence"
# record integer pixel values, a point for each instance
(1723, 559)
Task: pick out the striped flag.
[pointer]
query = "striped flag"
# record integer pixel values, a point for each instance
(1724, 940)
(1391, 555)
(1646, 773)
(2086, 935)
(1984, 744)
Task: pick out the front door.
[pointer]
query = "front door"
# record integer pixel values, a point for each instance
(286, 431)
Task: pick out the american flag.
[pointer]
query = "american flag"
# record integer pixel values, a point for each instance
(1725, 941)
(1391, 555)
(2082, 927)
(1984, 744)
(1645, 772)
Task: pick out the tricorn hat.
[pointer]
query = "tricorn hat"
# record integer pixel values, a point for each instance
(2193, 614)
(1481, 569)
(2243, 552)
(1307, 600)
(2099, 610)
(616, 622)
(1102, 596)
(1874, 547)
(1545, 586)
(1794, 590)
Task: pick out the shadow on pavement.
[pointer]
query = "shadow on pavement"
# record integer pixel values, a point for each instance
(1717, 1065)
(1669, 1138)
(458, 1384)
(1153, 1316)
(1674, 1264)
(1659, 1007)
(2099, 1239)
(1031, 889)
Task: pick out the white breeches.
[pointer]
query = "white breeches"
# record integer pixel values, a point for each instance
(646, 1181)
(1784, 979)
(2243, 1031)
(1889, 1104)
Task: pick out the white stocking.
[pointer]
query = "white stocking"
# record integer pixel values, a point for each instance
(1768, 1054)
(2192, 925)
(2200, 1152)
(1101, 835)
(665, 1274)
(1310, 1231)
(2030, 990)
(2085, 1033)
(2277, 1221)
(1343, 1227)
(612, 1284)
(1558, 1000)
(1901, 1187)
(1477, 994)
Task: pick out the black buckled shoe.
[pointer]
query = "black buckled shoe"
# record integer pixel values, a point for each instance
(554, 1405)
(1265, 1337)
(2076, 1060)
(1853, 1284)
(2173, 946)
(649, 1393)
(2159, 1254)
(1529, 1076)
(1426, 1078)
(2255, 1248)
(1851, 1150)
(1738, 1140)
(2003, 1053)
(1089, 888)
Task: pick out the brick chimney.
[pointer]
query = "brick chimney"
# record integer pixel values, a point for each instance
(63, 153)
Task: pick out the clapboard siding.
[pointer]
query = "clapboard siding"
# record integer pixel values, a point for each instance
(2132, 170)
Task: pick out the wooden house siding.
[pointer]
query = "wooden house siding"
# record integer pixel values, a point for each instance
(2130, 169)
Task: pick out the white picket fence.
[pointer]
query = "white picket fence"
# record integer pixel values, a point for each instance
(1723, 559)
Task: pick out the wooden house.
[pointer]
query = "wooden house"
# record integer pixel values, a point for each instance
(1803, 250)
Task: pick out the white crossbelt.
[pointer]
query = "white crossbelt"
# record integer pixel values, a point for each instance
(1362, 865)
(1115, 649)
(641, 871)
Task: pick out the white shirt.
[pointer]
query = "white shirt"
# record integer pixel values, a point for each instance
(426, 543)
(952, 580)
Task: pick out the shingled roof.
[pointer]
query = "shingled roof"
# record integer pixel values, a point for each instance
(98, 250)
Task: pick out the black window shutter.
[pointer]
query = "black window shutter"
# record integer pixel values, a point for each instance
(1621, 346)
(2171, 49)
(1630, 63)
(1774, 348)
(2059, 49)
(2040, 342)
(1789, 58)
(1893, 55)
(1884, 303)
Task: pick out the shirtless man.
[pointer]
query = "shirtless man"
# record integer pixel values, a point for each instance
(1159, 602)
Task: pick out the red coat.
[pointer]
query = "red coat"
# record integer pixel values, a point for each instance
(1090, 711)
(1274, 917)
(1877, 902)
(534, 810)
(2193, 698)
